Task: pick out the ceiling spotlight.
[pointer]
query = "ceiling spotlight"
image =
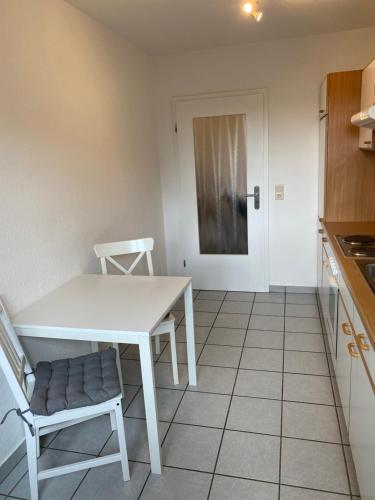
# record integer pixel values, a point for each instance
(250, 10)
(247, 7)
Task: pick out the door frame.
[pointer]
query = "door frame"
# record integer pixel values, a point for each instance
(214, 95)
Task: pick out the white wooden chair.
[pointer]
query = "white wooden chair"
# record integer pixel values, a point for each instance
(143, 247)
(21, 380)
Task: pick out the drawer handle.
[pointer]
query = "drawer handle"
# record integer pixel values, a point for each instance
(325, 240)
(346, 328)
(362, 342)
(351, 347)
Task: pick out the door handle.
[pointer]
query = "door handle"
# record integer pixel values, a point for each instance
(346, 329)
(361, 337)
(352, 352)
(256, 196)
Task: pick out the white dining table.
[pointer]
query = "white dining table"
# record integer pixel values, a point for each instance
(118, 309)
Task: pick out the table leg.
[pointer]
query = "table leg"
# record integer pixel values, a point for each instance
(190, 338)
(147, 367)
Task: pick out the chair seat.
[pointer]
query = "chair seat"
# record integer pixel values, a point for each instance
(74, 383)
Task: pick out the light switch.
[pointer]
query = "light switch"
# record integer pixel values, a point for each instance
(279, 191)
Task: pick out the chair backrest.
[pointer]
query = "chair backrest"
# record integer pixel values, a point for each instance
(14, 362)
(106, 252)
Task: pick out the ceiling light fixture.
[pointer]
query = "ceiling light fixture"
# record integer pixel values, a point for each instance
(247, 7)
(250, 10)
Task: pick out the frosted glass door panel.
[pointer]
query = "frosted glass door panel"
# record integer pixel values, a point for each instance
(220, 171)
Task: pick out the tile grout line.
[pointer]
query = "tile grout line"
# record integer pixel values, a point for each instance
(88, 470)
(254, 480)
(163, 440)
(337, 416)
(10, 472)
(109, 437)
(132, 399)
(244, 396)
(249, 479)
(282, 405)
(223, 429)
(257, 369)
(230, 404)
(257, 315)
(204, 345)
(184, 392)
(189, 424)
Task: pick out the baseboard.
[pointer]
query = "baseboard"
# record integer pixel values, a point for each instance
(12, 461)
(292, 289)
(277, 288)
(300, 289)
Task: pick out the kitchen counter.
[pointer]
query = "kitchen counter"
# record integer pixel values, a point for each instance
(362, 294)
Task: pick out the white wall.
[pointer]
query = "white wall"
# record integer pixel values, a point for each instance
(77, 156)
(292, 71)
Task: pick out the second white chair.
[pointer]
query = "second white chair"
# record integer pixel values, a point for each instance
(142, 247)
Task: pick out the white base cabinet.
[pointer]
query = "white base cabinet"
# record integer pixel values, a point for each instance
(354, 365)
(343, 366)
(362, 419)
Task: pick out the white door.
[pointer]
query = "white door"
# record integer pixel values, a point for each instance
(221, 151)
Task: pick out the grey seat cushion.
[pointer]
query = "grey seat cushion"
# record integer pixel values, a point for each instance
(73, 383)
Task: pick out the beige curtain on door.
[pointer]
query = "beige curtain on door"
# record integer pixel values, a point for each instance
(220, 169)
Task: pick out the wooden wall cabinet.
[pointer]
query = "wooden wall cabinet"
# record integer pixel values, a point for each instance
(346, 173)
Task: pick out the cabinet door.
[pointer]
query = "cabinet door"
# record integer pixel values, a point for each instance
(319, 261)
(368, 86)
(328, 303)
(324, 290)
(322, 165)
(323, 106)
(344, 360)
(361, 428)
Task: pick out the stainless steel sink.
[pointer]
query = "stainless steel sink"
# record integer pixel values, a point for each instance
(368, 270)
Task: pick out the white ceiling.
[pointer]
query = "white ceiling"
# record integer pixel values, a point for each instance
(166, 26)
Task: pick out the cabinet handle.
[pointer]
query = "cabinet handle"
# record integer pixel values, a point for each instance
(362, 342)
(351, 347)
(320, 231)
(367, 142)
(325, 240)
(346, 328)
